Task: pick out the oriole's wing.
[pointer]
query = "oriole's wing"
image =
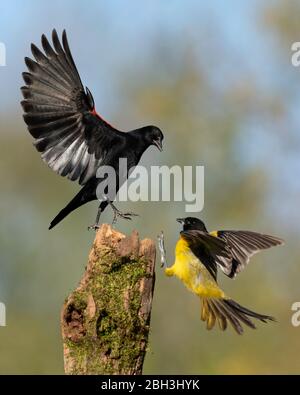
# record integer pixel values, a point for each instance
(72, 138)
(210, 250)
(243, 244)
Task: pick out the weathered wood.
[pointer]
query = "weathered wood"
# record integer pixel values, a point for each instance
(105, 321)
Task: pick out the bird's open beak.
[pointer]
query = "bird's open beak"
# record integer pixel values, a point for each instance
(180, 220)
(158, 144)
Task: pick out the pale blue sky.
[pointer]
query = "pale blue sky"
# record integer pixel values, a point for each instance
(122, 33)
(108, 38)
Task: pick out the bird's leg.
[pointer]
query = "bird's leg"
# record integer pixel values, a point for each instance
(162, 249)
(96, 225)
(118, 213)
(169, 271)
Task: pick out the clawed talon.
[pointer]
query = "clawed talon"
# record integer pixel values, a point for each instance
(162, 249)
(119, 214)
(93, 227)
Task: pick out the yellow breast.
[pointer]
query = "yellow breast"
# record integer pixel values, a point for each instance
(191, 271)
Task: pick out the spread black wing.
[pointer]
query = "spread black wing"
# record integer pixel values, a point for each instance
(210, 250)
(72, 138)
(243, 244)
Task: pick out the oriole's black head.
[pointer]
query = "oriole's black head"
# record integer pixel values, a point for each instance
(192, 223)
(153, 136)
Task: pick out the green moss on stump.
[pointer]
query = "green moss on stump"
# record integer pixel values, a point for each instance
(114, 338)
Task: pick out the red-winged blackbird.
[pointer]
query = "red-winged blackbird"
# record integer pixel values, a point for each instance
(200, 253)
(72, 137)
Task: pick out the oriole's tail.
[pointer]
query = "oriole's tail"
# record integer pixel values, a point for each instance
(224, 310)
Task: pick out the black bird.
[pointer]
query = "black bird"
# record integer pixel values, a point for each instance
(73, 139)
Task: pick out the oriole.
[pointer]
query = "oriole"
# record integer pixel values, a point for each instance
(198, 255)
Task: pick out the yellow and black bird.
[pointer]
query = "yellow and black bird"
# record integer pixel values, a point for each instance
(199, 254)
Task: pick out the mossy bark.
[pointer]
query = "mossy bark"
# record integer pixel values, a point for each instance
(105, 321)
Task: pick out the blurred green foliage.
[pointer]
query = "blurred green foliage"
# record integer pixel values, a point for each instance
(240, 132)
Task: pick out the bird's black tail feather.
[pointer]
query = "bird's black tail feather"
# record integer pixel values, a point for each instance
(76, 202)
(226, 310)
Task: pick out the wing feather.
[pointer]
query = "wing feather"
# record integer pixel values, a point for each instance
(243, 245)
(60, 114)
(208, 249)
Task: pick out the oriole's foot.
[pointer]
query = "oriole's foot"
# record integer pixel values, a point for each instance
(162, 249)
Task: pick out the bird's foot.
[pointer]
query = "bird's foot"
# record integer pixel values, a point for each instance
(162, 249)
(93, 227)
(120, 214)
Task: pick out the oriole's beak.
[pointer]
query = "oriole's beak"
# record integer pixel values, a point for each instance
(158, 144)
(180, 220)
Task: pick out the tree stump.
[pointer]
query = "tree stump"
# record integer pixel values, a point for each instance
(105, 321)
